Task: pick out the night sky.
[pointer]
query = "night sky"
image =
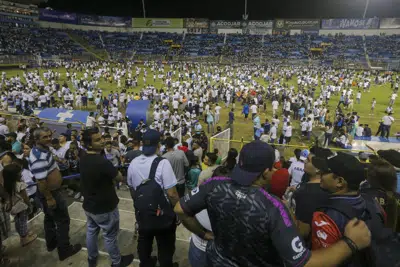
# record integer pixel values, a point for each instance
(232, 9)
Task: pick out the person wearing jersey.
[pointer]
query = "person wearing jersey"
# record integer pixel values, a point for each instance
(252, 228)
(342, 175)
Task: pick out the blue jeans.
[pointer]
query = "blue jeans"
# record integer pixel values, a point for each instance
(197, 257)
(109, 224)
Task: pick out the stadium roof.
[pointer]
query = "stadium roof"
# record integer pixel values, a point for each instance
(233, 9)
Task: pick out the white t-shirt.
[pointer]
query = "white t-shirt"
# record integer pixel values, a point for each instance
(296, 170)
(387, 120)
(288, 132)
(275, 104)
(204, 220)
(273, 132)
(90, 122)
(139, 170)
(253, 109)
(217, 109)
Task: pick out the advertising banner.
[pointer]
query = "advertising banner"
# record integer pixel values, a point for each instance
(104, 21)
(156, 23)
(367, 23)
(57, 16)
(298, 24)
(258, 24)
(196, 23)
(390, 23)
(225, 24)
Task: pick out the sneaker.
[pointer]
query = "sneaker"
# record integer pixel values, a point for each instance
(77, 196)
(125, 261)
(73, 249)
(28, 239)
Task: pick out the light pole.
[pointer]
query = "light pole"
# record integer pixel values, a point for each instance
(245, 15)
(366, 8)
(144, 9)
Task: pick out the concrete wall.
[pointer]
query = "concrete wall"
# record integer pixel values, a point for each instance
(360, 32)
(230, 31)
(55, 25)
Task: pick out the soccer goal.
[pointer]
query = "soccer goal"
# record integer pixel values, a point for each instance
(221, 141)
(177, 134)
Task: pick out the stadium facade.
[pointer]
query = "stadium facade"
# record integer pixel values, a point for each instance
(187, 38)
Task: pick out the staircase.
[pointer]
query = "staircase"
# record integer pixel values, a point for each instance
(225, 39)
(366, 52)
(104, 46)
(99, 54)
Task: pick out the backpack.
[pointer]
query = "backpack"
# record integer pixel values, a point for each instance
(152, 208)
(385, 243)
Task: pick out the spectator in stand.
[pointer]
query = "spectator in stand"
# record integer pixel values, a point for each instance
(16, 145)
(236, 207)
(178, 161)
(280, 178)
(193, 173)
(112, 154)
(309, 196)
(56, 220)
(210, 165)
(16, 191)
(296, 169)
(100, 200)
(382, 180)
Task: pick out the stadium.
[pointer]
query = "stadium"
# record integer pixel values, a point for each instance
(322, 92)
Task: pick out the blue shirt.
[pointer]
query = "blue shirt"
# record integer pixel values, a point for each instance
(246, 109)
(231, 116)
(16, 146)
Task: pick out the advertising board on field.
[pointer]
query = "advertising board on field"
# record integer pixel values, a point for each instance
(298, 24)
(390, 23)
(57, 16)
(367, 23)
(157, 23)
(225, 24)
(196, 23)
(104, 20)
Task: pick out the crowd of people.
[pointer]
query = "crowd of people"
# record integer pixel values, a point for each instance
(254, 208)
(246, 48)
(167, 177)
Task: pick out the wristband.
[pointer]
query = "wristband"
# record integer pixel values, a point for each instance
(351, 244)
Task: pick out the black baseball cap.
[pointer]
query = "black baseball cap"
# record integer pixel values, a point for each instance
(254, 159)
(342, 164)
(151, 139)
(392, 156)
(12, 134)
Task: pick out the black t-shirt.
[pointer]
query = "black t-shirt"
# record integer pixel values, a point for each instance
(251, 227)
(97, 174)
(307, 198)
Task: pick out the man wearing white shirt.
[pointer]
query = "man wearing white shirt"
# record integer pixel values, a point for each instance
(273, 132)
(387, 124)
(288, 133)
(217, 113)
(253, 110)
(392, 99)
(275, 105)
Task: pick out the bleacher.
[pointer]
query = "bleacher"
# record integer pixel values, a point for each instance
(202, 44)
(121, 45)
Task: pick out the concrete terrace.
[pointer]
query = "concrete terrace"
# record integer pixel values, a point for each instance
(36, 254)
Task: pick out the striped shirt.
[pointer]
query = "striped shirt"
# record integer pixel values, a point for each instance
(41, 163)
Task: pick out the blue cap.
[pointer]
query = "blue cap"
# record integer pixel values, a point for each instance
(254, 159)
(151, 139)
(304, 154)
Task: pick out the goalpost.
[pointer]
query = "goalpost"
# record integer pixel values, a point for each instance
(177, 134)
(221, 141)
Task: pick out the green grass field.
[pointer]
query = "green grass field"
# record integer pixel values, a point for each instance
(244, 129)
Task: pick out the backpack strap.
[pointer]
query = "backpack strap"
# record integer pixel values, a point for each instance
(154, 166)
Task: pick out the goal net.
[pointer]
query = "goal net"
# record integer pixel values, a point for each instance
(177, 134)
(221, 142)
